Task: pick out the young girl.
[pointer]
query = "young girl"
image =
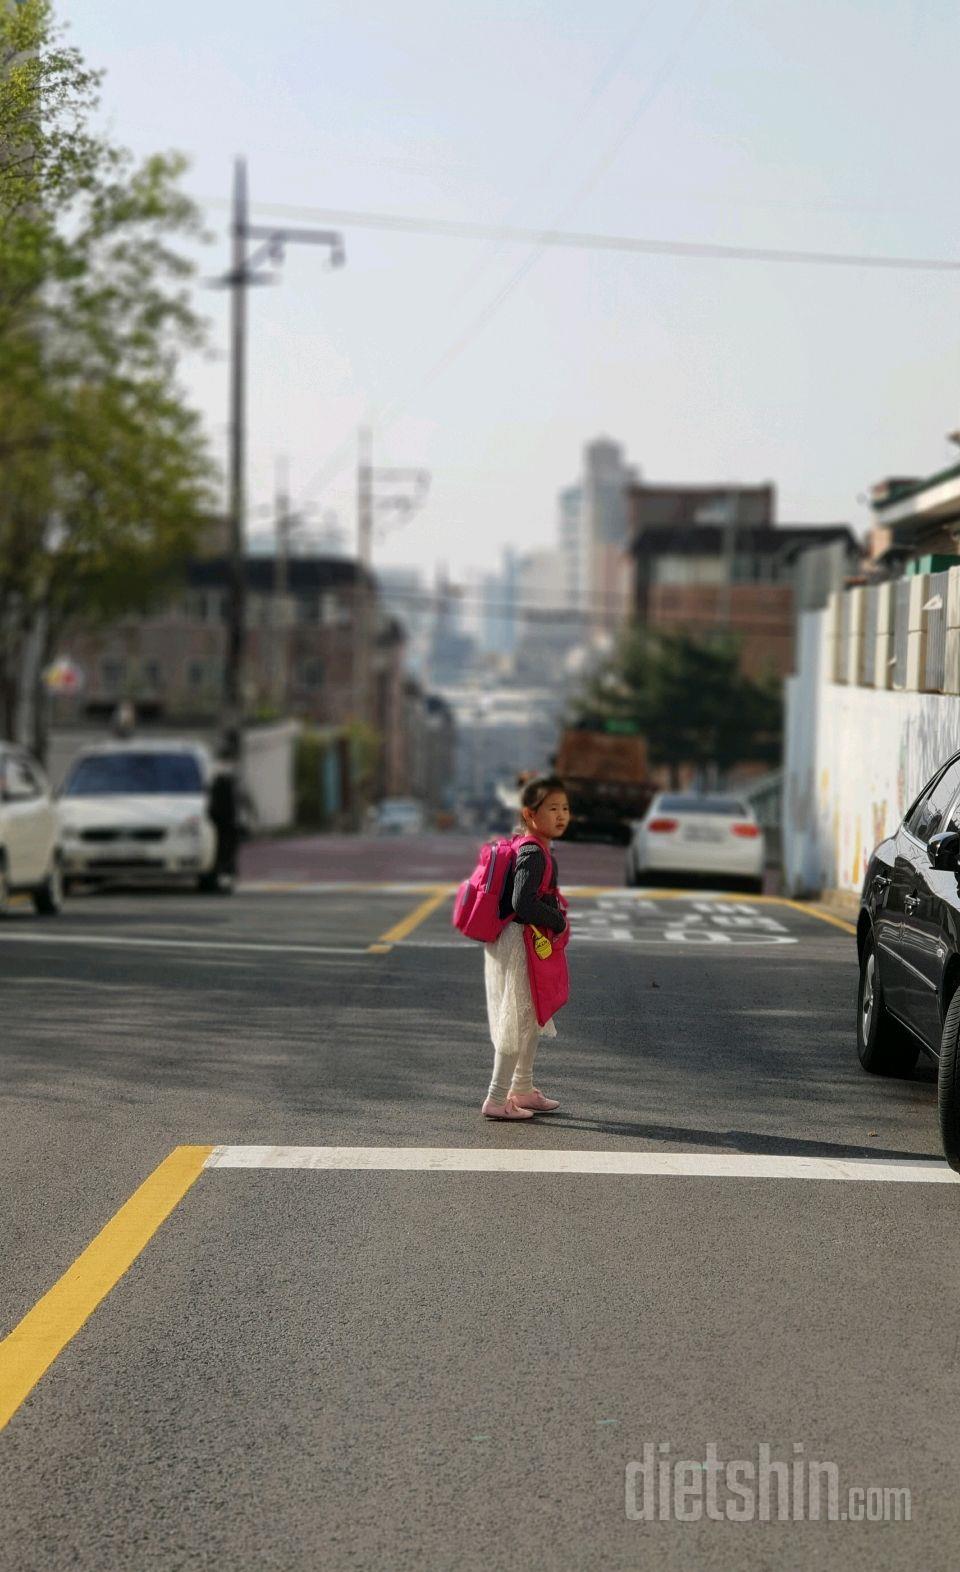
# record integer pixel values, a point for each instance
(513, 1023)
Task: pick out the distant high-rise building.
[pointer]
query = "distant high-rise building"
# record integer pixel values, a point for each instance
(498, 608)
(572, 544)
(406, 597)
(594, 531)
(452, 652)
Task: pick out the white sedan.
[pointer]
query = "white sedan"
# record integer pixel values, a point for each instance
(131, 810)
(716, 837)
(29, 851)
(399, 816)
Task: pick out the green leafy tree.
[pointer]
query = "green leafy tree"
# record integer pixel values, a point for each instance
(690, 699)
(104, 473)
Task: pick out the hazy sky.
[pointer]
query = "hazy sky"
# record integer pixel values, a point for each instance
(823, 124)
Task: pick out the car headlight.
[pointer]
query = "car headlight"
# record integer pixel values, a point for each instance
(191, 828)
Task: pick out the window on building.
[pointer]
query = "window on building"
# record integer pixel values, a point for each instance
(308, 610)
(195, 674)
(151, 673)
(311, 674)
(112, 673)
(720, 508)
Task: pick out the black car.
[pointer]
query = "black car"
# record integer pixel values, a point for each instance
(908, 939)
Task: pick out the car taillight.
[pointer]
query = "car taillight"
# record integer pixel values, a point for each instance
(748, 831)
(662, 826)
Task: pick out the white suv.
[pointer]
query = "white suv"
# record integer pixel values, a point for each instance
(139, 810)
(29, 834)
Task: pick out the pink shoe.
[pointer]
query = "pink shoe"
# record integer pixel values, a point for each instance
(535, 1101)
(508, 1110)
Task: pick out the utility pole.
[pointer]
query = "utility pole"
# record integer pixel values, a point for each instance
(363, 621)
(405, 491)
(245, 271)
(283, 529)
(236, 585)
(729, 561)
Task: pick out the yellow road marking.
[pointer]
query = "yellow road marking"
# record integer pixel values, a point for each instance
(644, 892)
(45, 1331)
(406, 926)
(592, 892)
(588, 892)
(816, 911)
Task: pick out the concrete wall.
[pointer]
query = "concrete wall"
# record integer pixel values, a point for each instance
(268, 772)
(855, 758)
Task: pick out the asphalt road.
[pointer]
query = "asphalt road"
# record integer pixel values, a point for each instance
(431, 856)
(383, 1368)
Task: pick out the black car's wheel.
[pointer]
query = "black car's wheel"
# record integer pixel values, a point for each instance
(883, 1045)
(948, 1084)
(48, 896)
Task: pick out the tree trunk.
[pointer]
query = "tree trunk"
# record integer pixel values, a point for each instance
(40, 708)
(9, 694)
(9, 675)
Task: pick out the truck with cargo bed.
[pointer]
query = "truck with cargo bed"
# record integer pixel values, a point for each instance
(607, 776)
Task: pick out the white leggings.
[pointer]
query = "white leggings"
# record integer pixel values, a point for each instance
(513, 1022)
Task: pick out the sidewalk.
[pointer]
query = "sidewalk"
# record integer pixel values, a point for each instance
(843, 903)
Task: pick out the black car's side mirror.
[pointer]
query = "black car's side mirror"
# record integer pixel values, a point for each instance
(943, 850)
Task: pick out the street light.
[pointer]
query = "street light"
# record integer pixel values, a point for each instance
(243, 273)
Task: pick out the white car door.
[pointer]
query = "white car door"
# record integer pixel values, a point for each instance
(27, 814)
(48, 817)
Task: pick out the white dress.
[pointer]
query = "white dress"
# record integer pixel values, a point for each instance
(513, 1020)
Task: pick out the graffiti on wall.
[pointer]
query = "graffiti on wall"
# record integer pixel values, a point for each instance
(870, 752)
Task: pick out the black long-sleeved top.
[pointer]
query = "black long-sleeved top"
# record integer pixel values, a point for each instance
(521, 890)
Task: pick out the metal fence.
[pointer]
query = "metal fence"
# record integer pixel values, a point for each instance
(901, 631)
(935, 621)
(871, 622)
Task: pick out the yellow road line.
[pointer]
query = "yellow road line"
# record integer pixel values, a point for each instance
(406, 926)
(820, 914)
(644, 892)
(593, 891)
(45, 1331)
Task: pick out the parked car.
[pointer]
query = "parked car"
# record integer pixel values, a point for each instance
(139, 809)
(29, 834)
(908, 940)
(399, 816)
(684, 833)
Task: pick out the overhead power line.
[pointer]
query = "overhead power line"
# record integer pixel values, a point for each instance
(473, 600)
(585, 240)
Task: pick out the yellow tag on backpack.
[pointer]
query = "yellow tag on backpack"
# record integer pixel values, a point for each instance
(542, 944)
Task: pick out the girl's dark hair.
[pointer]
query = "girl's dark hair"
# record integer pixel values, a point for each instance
(536, 791)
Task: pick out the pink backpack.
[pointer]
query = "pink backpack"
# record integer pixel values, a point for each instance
(476, 911)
